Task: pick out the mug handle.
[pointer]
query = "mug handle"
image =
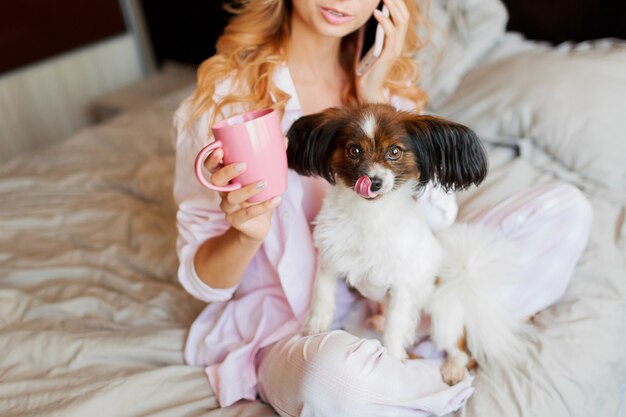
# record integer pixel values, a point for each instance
(199, 163)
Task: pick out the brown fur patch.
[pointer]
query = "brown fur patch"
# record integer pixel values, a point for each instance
(414, 356)
(462, 345)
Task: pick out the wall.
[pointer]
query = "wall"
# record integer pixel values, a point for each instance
(47, 101)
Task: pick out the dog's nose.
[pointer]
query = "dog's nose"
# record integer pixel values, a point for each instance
(377, 184)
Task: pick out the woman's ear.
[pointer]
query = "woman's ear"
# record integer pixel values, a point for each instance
(448, 153)
(312, 142)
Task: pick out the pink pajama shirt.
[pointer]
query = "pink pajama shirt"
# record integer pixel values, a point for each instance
(248, 337)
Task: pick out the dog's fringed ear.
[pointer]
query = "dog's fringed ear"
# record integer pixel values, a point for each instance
(448, 153)
(312, 142)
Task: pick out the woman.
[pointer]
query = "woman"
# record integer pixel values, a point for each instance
(255, 264)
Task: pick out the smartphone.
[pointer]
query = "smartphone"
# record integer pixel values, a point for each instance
(373, 42)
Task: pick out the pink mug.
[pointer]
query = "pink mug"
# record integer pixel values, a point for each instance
(254, 138)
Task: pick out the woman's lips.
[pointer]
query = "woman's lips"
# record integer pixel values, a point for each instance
(335, 17)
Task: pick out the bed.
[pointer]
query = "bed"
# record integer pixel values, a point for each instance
(93, 321)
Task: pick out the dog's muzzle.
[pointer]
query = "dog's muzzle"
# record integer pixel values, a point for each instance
(367, 188)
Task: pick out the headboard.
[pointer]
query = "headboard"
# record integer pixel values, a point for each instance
(557, 21)
(186, 30)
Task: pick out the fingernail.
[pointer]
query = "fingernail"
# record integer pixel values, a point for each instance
(240, 167)
(276, 201)
(261, 184)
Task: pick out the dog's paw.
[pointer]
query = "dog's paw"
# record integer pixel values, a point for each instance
(452, 371)
(318, 323)
(396, 350)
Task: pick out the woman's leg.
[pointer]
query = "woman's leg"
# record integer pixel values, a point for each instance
(549, 224)
(336, 374)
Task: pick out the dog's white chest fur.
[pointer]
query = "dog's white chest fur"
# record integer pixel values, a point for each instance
(377, 245)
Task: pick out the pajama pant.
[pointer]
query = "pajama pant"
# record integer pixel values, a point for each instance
(337, 374)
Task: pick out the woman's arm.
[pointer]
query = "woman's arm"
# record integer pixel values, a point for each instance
(221, 261)
(218, 234)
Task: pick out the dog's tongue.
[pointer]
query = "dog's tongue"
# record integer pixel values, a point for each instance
(363, 187)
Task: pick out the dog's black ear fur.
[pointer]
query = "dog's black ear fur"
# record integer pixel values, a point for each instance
(448, 153)
(312, 140)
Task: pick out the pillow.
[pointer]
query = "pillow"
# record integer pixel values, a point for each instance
(462, 32)
(569, 100)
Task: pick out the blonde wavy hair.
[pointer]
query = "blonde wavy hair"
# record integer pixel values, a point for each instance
(253, 46)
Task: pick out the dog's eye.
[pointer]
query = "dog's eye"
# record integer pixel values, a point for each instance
(354, 152)
(394, 153)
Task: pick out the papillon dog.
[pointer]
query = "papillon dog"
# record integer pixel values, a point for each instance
(371, 232)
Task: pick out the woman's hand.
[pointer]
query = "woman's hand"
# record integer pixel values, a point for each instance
(371, 84)
(251, 220)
